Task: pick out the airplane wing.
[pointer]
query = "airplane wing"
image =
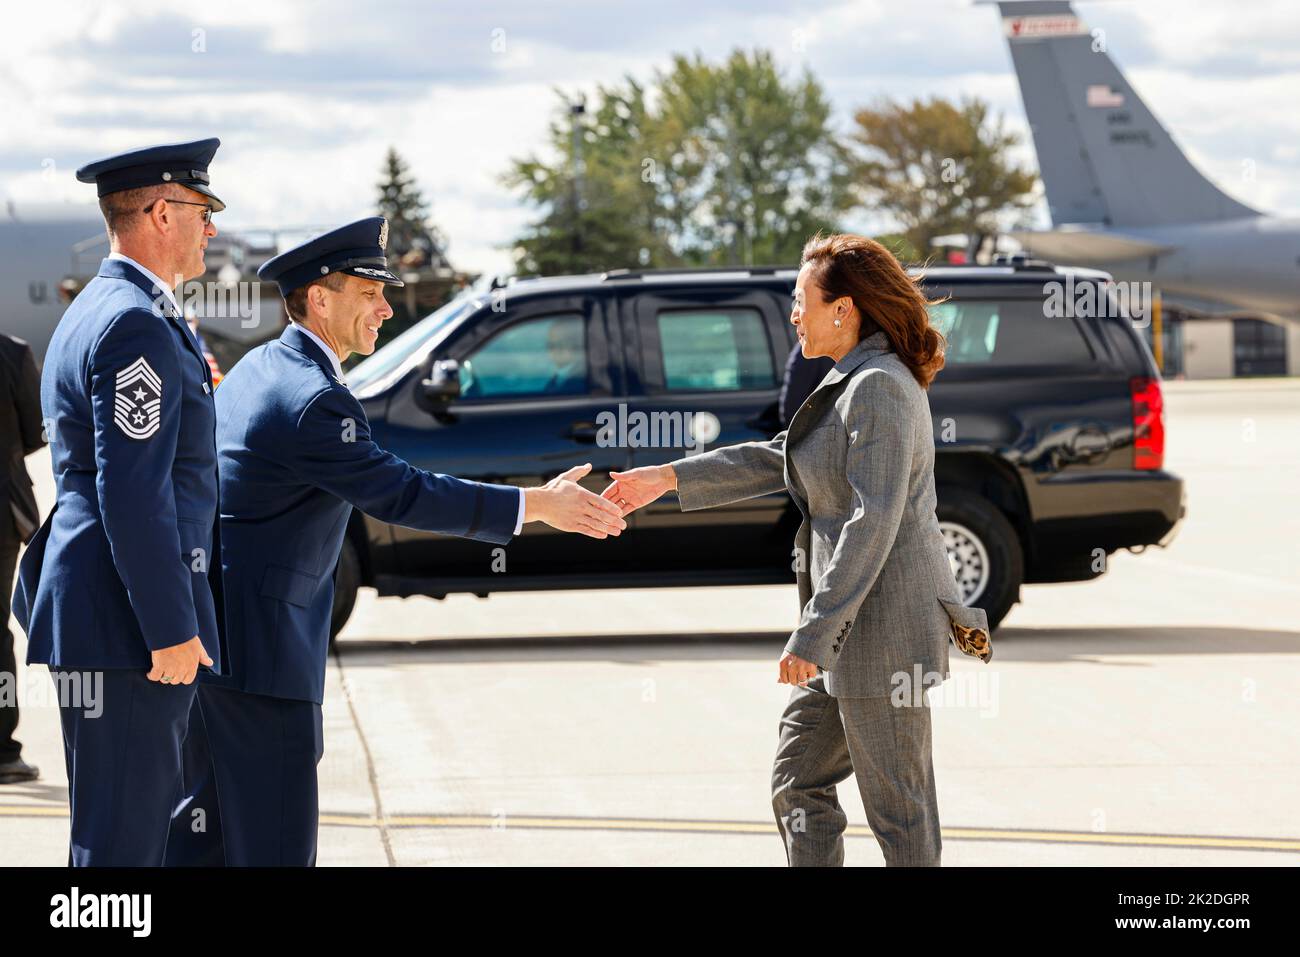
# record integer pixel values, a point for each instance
(1087, 246)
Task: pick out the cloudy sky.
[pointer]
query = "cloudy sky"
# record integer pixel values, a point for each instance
(306, 97)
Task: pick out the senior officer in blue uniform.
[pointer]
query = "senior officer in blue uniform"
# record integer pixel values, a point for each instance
(114, 587)
(295, 456)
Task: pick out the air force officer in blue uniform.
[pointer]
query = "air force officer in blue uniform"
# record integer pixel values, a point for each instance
(295, 456)
(113, 591)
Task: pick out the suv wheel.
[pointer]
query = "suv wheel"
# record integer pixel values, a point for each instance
(347, 579)
(983, 551)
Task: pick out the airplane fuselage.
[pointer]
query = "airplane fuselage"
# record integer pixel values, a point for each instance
(1252, 263)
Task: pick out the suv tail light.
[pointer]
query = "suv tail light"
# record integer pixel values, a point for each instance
(1148, 423)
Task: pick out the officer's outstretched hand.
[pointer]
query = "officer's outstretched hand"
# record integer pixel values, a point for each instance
(179, 664)
(564, 504)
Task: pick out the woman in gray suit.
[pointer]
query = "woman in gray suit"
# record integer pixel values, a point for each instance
(878, 596)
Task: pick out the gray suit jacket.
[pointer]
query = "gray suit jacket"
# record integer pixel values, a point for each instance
(877, 591)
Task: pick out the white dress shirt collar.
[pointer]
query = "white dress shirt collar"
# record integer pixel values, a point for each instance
(152, 276)
(330, 353)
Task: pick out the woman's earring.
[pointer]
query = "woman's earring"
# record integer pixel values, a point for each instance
(837, 323)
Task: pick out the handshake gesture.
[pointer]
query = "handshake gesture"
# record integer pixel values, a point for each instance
(564, 504)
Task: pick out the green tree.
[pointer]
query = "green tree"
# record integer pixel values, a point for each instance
(752, 167)
(940, 168)
(901, 247)
(599, 211)
(732, 164)
(407, 212)
(415, 246)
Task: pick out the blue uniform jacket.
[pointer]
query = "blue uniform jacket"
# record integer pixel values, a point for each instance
(121, 566)
(295, 455)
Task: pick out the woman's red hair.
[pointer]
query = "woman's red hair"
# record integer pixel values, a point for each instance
(870, 275)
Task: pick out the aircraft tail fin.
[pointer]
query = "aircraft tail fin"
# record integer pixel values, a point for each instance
(1104, 158)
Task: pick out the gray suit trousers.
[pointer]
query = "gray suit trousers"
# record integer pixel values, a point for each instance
(825, 739)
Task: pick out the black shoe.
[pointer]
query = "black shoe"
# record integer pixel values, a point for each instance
(17, 771)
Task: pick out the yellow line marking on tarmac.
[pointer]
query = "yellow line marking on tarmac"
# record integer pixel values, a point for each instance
(853, 830)
(31, 810)
(669, 826)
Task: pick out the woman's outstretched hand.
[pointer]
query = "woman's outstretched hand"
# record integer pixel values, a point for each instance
(793, 670)
(564, 504)
(637, 488)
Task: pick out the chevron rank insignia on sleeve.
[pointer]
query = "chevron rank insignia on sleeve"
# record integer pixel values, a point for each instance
(137, 403)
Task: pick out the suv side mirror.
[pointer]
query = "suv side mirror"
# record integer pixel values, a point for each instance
(443, 383)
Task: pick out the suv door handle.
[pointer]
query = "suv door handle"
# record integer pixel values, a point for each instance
(584, 432)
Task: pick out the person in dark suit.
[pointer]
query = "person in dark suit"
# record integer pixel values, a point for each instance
(296, 455)
(564, 348)
(113, 590)
(20, 435)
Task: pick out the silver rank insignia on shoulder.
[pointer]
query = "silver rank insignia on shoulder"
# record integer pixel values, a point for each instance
(137, 401)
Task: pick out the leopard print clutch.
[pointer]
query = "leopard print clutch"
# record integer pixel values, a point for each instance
(972, 641)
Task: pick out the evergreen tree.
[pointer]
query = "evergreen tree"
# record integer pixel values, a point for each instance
(412, 240)
(415, 248)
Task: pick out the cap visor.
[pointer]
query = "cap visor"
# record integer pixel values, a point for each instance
(375, 273)
(217, 204)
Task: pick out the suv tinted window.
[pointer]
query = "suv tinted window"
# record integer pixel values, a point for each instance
(546, 356)
(1008, 332)
(1126, 345)
(715, 350)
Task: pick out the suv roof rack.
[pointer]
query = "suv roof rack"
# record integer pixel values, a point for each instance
(614, 275)
(1021, 262)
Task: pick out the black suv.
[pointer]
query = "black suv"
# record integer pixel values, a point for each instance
(1049, 429)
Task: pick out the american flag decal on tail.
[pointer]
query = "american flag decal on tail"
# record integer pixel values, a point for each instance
(137, 402)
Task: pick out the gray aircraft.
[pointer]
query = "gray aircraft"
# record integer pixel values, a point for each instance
(1122, 195)
(47, 251)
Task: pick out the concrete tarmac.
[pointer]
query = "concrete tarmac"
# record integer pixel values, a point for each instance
(1151, 717)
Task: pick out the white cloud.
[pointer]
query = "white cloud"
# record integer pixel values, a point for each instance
(307, 98)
